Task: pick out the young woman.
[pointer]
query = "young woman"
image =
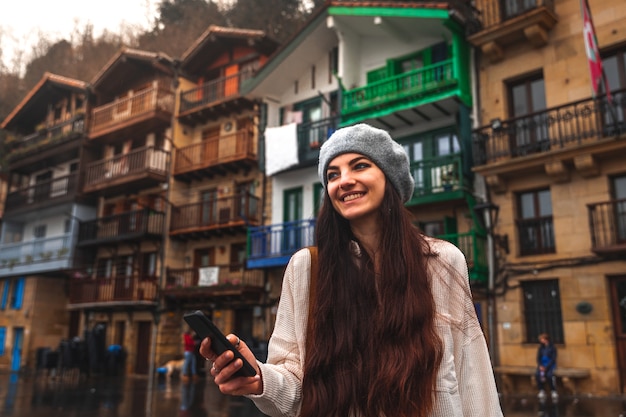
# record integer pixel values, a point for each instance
(392, 328)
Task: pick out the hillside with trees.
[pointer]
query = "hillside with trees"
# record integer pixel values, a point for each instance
(178, 24)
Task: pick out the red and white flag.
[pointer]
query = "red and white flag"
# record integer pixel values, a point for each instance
(593, 53)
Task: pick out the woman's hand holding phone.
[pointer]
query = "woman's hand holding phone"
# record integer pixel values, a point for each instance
(224, 368)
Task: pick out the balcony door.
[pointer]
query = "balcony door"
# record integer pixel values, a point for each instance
(619, 195)
(527, 100)
(292, 213)
(310, 130)
(512, 8)
(618, 304)
(615, 70)
(202, 258)
(208, 207)
(43, 184)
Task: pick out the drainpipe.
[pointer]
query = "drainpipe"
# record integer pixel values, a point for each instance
(483, 194)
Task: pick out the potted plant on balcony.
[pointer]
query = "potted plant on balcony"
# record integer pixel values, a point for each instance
(449, 177)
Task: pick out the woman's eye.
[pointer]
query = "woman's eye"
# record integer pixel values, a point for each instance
(361, 165)
(331, 175)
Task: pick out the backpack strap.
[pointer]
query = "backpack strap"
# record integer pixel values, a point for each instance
(312, 294)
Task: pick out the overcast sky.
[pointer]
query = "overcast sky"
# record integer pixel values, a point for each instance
(21, 21)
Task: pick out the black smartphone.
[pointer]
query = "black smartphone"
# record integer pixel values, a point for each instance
(206, 328)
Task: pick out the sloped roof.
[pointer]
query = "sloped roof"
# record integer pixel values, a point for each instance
(157, 60)
(216, 39)
(35, 104)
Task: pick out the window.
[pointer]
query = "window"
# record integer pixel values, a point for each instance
(514, 8)
(104, 268)
(542, 310)
(148, 265)
(17, 295)
(237, 257)
(433, 159)
(615, 70)
(3, 338)
(535, 224)
(333, 63)
(292, 213)
(529, 132)
(318, 198)
(618, 188)
(5, 294)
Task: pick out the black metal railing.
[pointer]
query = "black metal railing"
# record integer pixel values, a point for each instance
(558, 127)
(117, 227)
(215, 213)
(232, 274)
(312, 135)
(42, 192)
(536, 235)
(280, 240)
(495, 12)
(213, 91)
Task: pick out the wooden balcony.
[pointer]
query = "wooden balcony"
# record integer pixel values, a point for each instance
(218, 217)
(141, 168)
(574, 134)
(220, 284)
(400, 92)
(105, 292)
(607, 223)
(37, 256)
(220, 155)
(505, 22)
(272, 246)
(147, 110)
(439, 179)
(43, 194)
(214, 99)
(47, 146)
(131, 226)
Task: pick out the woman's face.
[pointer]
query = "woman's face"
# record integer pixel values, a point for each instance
(356, 186)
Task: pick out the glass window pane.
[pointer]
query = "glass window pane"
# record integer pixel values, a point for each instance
(620, 188)
(527, 206)
(545, 203)
(538, 95)
(443, 145)
(520, 101)
(611, 71)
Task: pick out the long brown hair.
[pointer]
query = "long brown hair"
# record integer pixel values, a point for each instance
(374, 349)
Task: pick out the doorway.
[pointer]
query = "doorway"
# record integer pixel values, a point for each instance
(16, 352)
(618, 306)
(143, 356)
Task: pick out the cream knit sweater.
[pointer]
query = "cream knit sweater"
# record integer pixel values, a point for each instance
(465, 386)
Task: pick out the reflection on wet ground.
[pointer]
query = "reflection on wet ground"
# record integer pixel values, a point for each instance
(32, 396)
(39, 396)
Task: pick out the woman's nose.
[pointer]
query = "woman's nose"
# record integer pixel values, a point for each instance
(346, 180)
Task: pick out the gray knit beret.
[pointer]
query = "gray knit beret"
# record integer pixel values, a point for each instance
(378, 146)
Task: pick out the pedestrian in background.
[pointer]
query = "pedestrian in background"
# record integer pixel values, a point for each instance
(189, 362)
(546, 363)
(387, 326)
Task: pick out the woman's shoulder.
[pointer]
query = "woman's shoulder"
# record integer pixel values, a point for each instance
(444, 248)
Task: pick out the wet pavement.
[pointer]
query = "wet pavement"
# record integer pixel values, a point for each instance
(39, 396)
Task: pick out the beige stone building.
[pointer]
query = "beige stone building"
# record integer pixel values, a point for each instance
(552, 158)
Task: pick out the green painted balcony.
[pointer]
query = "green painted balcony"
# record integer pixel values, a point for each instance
(439, 179)
(473, 244)
(400, 92)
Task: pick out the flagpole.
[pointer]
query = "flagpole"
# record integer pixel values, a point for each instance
(596, 69)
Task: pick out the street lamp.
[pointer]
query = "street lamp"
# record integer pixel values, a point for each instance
(488, 212)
